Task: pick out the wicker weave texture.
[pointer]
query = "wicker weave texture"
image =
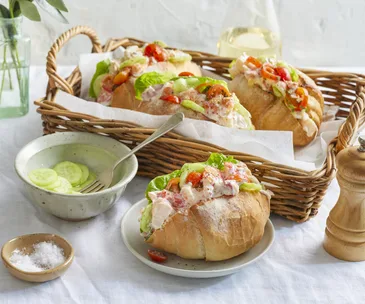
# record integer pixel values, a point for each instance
(297, 193)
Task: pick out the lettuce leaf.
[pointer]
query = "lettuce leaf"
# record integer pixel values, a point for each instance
(149, 79)
(101, 68)
(217, 160)
(160, 182)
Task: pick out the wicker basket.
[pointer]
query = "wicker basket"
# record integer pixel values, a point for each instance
(297, 193)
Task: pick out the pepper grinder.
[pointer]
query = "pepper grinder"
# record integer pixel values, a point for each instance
(345, 231)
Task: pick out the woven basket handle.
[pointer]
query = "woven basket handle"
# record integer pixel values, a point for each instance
(56, 80)
(349, 128)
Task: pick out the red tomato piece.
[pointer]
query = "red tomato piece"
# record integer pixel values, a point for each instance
(157, 256)
(194, 178)
(283, 73)
(186, 74)
(268, 72)
(122, 76)
(303, 93)
(217, 89)
(155, 51)
(173, 184)
(254, 61)
(171, 98)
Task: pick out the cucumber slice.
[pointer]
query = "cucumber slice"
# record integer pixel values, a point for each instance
(90, 179)
(69, 171)
(146, 218)
(85, 172)
(180, 85)
(56, 184)
(43, 177)
(180, 58)
(192, 106)
(133, 61)
(250, 187)
(65, 186)
(97, 84)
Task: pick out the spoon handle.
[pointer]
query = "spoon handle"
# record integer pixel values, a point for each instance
(170, 124)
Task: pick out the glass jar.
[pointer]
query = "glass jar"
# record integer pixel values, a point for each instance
(14, 68)
(250, 26)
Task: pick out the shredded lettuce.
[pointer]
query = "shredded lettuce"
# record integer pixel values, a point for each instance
(149, 79)
(101, 68)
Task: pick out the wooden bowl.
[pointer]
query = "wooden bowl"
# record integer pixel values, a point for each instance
(26, 242)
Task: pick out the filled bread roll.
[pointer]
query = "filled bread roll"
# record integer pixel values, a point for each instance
(213, 210)
(200, 98)
(278, 96)
(112, 75)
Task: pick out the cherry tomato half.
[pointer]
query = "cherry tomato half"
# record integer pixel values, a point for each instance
(283, 73)
(298, 106)
(194, 178)
(173, 184)
(157, 256)
(303, 93)
(122, 76)
(268, 72)
(186, 74)
(254, 61)
(155, 51)
(171, 98)
(217, 89)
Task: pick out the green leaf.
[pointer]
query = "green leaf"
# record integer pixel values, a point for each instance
(4, 12)
(217, 160)
(160, 182)
(16, 10)
(149, 79)
(50, 10)
(29, 10)
(59, 4)
(101, 68)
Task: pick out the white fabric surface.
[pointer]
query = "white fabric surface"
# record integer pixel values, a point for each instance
(295, 270)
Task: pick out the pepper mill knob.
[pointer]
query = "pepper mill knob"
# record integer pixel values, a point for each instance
(345, 226)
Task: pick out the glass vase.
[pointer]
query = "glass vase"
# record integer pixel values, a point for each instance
(14, 68)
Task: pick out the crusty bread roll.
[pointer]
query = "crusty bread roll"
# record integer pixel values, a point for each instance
(271, 113)
(217, 229)
(124, 95)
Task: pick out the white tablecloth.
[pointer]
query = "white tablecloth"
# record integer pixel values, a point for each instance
(295, 270)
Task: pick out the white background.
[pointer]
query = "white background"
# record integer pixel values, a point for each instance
(315, 32)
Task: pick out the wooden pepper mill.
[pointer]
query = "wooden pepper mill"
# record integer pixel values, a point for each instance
(345, 231)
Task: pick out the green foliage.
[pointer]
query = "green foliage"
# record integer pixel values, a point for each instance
(29, 10)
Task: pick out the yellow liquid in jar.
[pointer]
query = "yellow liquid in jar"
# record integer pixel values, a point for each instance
(253, 41)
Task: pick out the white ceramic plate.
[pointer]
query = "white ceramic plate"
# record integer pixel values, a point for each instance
(188, 268)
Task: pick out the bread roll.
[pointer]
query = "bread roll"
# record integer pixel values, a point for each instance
(269, 112)
(217, 229)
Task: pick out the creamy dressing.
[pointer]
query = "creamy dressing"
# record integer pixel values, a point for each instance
(214, 184)
(219, 109)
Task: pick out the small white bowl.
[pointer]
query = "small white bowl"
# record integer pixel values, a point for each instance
(96, 151)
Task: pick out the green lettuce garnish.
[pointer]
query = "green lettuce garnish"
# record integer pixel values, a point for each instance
(160, 182)
(101, 68)
(149, 79)
(217, 160)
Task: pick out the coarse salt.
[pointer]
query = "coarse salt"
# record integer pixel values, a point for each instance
(46, 255)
